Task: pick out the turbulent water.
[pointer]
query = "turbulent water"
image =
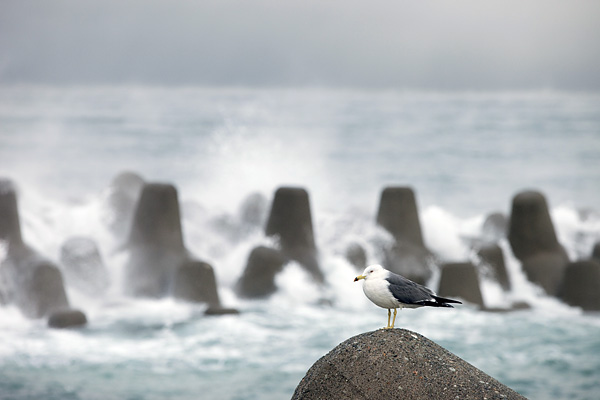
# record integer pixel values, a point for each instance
(465, 154)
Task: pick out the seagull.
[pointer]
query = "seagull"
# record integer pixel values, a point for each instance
(392, 291)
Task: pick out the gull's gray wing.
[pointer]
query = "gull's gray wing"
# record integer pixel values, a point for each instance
(407, 291)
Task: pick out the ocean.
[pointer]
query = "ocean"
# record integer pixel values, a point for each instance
(466, 154)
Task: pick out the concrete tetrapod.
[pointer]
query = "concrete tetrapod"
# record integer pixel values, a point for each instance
(399, 215)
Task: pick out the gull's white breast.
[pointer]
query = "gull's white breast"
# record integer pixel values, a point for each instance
(377, 291)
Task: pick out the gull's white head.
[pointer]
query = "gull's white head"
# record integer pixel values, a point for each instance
(372, 271)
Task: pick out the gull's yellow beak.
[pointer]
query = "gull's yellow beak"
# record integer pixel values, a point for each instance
(358, 278)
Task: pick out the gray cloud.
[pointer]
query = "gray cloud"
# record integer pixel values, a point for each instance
(469, 44)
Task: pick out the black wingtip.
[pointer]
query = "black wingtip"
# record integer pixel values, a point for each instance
(434, 304)
(439, 302)
(445, 300)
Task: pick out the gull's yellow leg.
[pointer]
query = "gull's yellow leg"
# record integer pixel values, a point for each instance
(389, 316)
(394, 320)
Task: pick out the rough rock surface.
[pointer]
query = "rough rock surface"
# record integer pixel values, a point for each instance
(397, 364)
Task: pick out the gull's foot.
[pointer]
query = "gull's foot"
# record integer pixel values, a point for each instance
(388, 327)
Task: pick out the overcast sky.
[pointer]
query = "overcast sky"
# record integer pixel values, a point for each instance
(472, 44)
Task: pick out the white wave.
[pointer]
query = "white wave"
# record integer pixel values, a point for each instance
(47, 223)
(523, 290)
(445, 233)
(577, 230)
(296, 287)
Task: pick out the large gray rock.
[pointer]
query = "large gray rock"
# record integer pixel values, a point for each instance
(83, 266)
(581, 285)
(396, 364)
(408, 255)
(461, 280)
(290, 221)
(156, 248)
(533, 241)
(493, 256)
(258, 278)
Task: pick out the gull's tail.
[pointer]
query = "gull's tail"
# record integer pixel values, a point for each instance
(440, 302)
